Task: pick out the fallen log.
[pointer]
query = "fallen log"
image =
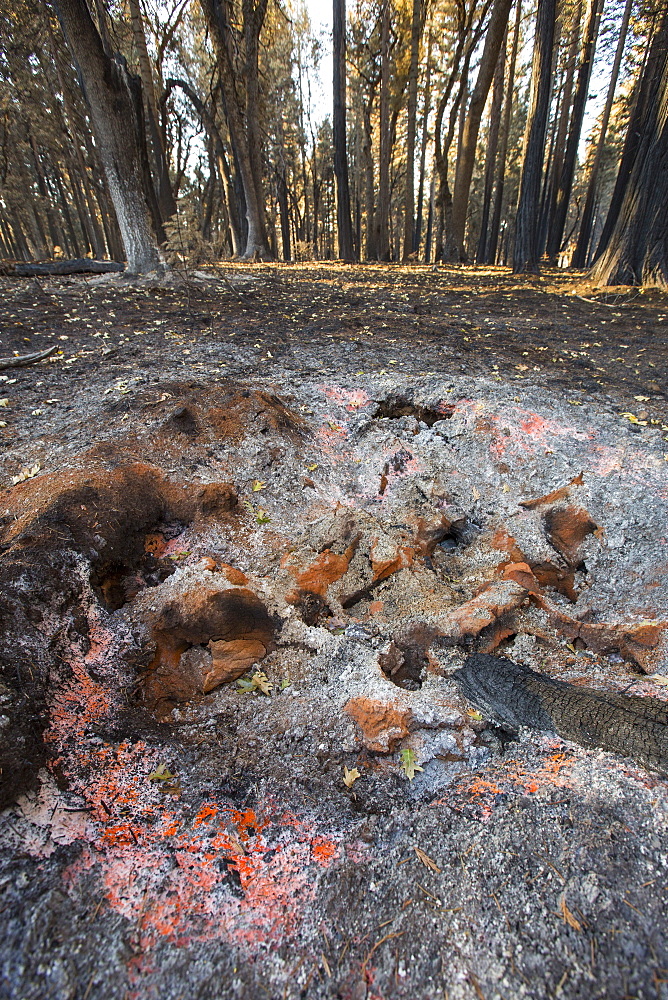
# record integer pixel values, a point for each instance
(25, 359)
(513, 696)
(81, 266)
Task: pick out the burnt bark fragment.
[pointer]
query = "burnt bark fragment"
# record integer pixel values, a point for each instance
(513, 696)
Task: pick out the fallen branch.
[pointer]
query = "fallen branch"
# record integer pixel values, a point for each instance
(81, 266)
(25, 359)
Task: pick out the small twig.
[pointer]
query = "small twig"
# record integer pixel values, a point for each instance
(25, 359)
(377, 945)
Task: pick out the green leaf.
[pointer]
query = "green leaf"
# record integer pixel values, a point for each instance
(408, 763)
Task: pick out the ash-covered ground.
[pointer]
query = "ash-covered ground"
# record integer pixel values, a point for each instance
(234, 588)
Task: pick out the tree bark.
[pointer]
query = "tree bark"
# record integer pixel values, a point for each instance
(223, 166)
(525, 254)
(465, 162)
(556, 233)
(343, 216)
(584, 236)
(503, 142)
(557, 160)
(409, 194)
(241, 116)
(383, 215)
(113, 115)
(637, 252)
(165, 196)
(492, 147)
(423, 149)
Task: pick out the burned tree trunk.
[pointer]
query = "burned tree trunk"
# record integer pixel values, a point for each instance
(525, 255)
(409, 196)
(343, 216)
(570, 156)
(637, 251)
(495, 225)
(242, 113)
(514, 696)
(465, 162)
(108, 91)
(492, 147)
(383, 214)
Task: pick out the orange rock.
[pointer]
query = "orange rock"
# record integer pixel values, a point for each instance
(206, 613)
(383, 725)
(216, 498)
(376, 608)
(386, 567)
(231, 660)
(208, 563)
(567, 528)
(505, 542)
(469, 619)
(327, 568)
(234, 575)
(521, 573)
(643, 643)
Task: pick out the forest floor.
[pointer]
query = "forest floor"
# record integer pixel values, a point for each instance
(334, 483)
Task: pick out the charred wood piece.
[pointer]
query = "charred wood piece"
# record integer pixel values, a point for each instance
(26, 359)
(512, 695)
(81, 266)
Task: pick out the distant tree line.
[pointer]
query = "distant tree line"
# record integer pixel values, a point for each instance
(461, 131)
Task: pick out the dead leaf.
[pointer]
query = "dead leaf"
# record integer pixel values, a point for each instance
(27, 473)
(350, 777)
(258, 682)
(476, 493)
(426, 860)
(660, 679)
(161, 773)
(4, 402)
(571, 920)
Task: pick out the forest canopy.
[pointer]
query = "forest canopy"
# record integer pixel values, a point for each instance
(495, 131)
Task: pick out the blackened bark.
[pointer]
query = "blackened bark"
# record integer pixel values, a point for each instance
(584, 236)
(423, 149)
(343, 216)
(469, 137)
(492, 147)
(558, 225)
(495, 226)
(637, 252)
(525, 255)
(223, 166)
(242, 114)
(107, 89)
(514, 696)
(383, 214)
(409, 194)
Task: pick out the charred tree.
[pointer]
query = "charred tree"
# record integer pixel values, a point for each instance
(565, 187)
(525, 254)
(383, 214)
(584, 236)
(108, 90)
(637, 251)
(495, 226)
(242, 108)
(409, 195)
(469, 139)
(343, 214)
(492, 147)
